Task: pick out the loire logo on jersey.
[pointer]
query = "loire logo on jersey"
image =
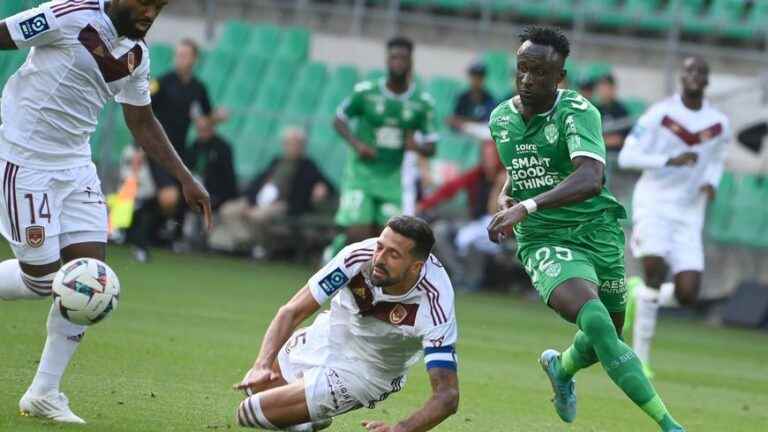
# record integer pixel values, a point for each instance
(34, 26)
(335, 280)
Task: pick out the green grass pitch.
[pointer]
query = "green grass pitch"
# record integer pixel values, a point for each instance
(188, 327)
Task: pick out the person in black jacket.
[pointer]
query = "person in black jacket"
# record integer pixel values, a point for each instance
(212, 160)
(290, 186)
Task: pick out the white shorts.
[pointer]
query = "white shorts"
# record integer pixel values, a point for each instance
(679, 242)
(330, 391)
(42, 212)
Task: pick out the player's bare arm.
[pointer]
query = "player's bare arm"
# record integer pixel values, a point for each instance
(443, 404)
(584, 183)
(358, 146)
(6, 42)
(286, 321)
(149, 134)
(505, 201)
(426, 149)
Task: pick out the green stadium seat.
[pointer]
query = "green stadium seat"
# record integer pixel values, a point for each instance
(255, 136)
(346, 75)
(635, 106)
(648, 15)
(306, 94)
(8, 8)
(13, 61)
(235, 35)
(216, 72)
(498, 65)
(245, 81)
(264, 39)
(294, 45)
(607, 13)
(161, 59)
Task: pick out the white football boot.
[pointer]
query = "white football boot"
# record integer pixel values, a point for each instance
(53, 406)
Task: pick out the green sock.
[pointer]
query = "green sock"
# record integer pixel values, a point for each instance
(580, 355)
(621, 363)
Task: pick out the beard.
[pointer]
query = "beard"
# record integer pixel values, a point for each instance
(384, 280)
(124, 22)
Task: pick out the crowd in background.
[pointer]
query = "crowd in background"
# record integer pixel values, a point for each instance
(290, 204)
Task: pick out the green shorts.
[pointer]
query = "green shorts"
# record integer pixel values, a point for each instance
(594, 252)
(359, 207)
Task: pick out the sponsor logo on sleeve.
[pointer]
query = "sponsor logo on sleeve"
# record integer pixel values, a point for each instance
(335, 280)
(34, 26)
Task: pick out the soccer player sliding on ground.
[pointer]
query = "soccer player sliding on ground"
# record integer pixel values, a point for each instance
(85, 52)
(390, 298)
(680, 144)
(566, 222)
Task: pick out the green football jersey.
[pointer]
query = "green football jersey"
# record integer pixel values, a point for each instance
(380, 118)
(537, 156)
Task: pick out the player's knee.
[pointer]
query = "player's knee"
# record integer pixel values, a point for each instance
(595, 321)
(250, 415)
(688, 295)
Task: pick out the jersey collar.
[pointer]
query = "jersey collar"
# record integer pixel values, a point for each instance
(388, 93)
(544, 114)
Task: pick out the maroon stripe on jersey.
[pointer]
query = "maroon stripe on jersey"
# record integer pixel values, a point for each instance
(358, 261)
(15, 206)
(431, 305)
(77, 9)
(356, 253)
(688, 137)
(440, 312)
(72, 3)
(112, 69)
(7, 196)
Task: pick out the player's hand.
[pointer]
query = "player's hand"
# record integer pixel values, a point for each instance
(503, 222)
(505, 202)
(198, 199)
(410, 140)
(364, 151)
(377, 426)
(685, 159)
(709, 191)
(257, 379)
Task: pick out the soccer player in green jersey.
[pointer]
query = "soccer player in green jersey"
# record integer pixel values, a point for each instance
(382, 120)
(566, 222)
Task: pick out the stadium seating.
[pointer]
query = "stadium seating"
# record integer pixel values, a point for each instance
(739, 215)
(161, 59)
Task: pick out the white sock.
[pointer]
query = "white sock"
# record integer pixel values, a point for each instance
(667, 295)
(62, 342)
(17, 286)
(647, 309)
(249, 414)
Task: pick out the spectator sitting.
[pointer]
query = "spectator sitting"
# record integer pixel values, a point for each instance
(464, 248)
(473, 107)
(616, 119)
(290, 186)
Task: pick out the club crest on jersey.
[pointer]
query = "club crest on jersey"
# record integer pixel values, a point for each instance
(335, 280)
(550, 132)
(553, 270)
(34, 26)
(131, 61)
(35, 236)
(398, 314)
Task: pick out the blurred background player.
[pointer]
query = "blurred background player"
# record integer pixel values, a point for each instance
(390, 298)
(680, 144)
(86, 53)
(392, 116)
(567, 222)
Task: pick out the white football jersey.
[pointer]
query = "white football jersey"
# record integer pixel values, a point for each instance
(77, 63)
(380, 335)
(666, 130)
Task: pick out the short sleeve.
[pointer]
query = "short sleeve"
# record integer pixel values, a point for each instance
(438, 327)
(137, 89)
(337, 274)
(583, 130)
(35, 27)
(428, 126)
(353, 105)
